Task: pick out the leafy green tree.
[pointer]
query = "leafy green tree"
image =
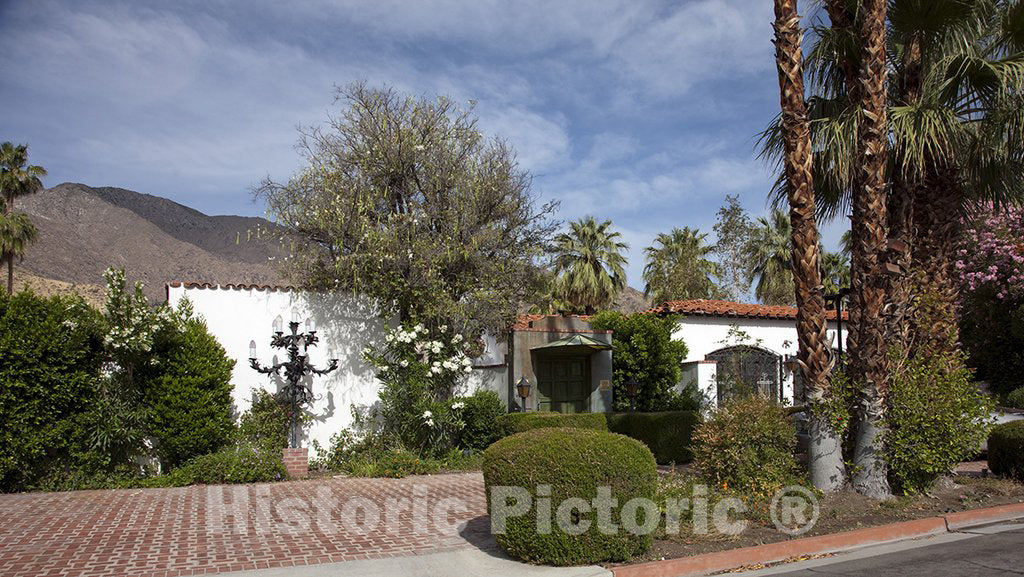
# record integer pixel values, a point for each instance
(17, 178)
(50, 354)
(678, 267)
(646, 351)
(189, 401)
(404, 200)
(733, 231)
(589, 264)
(770, 255)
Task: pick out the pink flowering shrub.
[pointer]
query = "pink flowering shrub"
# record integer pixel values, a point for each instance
(990, 264)
(991, 259)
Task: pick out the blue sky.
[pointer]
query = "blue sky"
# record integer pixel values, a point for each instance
(642, 112)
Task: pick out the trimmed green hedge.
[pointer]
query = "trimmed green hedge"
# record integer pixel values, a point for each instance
(1006, 449)
(512, 423)
(668, 434)
(574, 463)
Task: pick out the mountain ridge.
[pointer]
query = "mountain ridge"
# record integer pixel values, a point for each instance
(84, 230)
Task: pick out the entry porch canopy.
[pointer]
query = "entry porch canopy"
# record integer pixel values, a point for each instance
(575, 343)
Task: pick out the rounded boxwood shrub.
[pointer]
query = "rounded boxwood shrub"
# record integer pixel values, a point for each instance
(573, 463)
(512, 423)
(668, 434)
(1006, 449)
(1015, 400)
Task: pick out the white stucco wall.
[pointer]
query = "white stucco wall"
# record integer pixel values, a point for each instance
(706, 334)
(345, 324)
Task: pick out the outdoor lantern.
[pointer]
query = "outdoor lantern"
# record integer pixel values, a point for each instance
(632, 389)
(523, 387)
(310, 325)
(790, 363)
(296, 345)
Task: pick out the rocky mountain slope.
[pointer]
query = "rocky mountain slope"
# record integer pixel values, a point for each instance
(84, 230)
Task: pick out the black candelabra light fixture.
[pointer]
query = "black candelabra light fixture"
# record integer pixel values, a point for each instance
(296, 367)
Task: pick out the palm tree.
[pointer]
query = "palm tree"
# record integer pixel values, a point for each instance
(16, 233)
(956, 116)
(589, 264)
(770, 254)
(16, 179)
(825, 458)
(835, 271)
(870, 232)
(678, 268)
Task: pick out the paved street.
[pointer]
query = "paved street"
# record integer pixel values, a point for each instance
(197, 530)
(993, 551)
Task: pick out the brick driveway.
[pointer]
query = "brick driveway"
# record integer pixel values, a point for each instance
(196, 530)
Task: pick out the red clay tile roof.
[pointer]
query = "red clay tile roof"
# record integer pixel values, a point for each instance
(715, 308)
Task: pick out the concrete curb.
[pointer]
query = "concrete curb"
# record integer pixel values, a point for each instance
(836, 542)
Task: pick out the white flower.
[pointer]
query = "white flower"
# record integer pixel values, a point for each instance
(427, 414)
(404, 363)
(430, 422)
(458, 405)
(390, 337)
(456, 339)
(418, 329)
(444, 328)
(435, 370)
(468, 369)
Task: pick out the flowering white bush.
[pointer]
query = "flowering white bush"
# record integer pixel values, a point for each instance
(421, 371)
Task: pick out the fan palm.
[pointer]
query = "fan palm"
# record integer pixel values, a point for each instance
(956, 111)
(956, 129)
(678, 267)
(770, 254)
(835, 271)
(17, 178)
(16, 233)
(825, 459)
(589, 264)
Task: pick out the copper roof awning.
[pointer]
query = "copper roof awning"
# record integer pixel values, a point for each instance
(577, 342)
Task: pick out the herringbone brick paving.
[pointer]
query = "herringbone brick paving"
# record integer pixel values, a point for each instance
(198, 530)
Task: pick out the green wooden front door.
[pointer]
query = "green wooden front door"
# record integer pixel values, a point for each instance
(563, 384)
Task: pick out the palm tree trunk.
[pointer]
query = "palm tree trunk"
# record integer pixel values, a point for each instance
(937, 223)
(10, 274)
(870, 234)
(825, 460)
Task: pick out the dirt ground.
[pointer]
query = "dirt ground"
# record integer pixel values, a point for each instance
(847, 511)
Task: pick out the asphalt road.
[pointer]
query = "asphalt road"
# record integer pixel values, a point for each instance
(996, 550)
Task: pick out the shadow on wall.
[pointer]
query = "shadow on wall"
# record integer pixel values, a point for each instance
(346, 325)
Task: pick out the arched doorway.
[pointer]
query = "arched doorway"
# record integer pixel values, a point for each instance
(744, 369)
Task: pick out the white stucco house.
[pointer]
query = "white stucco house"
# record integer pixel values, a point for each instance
(568, 362)
(728, 341)
(567, 376)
